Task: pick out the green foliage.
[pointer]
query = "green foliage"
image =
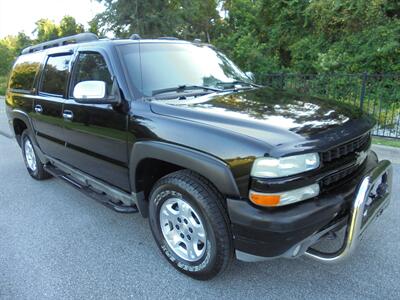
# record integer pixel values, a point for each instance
(147, 18)
(266, 36)
(11, 46)
(46, 30)
(154, 18)
(68, 26)
(262, 36)
(386, 142)
(3, 85)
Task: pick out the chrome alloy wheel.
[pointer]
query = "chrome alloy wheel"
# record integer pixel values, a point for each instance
(30, 155)
(183, 229)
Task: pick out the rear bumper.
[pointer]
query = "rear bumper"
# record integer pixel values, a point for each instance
(291, 231)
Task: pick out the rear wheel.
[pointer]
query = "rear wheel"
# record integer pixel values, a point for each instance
(32, 162)
(190, 225)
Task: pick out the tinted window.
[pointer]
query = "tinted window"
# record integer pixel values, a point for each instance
(55, 75)
(24, 72)
(92, 66)
(174, 64)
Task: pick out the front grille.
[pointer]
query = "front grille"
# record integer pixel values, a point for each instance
(358, 144)
(331, 179)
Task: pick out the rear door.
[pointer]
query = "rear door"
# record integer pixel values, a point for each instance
(96, 134)
(48, 105)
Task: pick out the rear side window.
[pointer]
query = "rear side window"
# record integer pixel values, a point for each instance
(55, 75)
(24, 72)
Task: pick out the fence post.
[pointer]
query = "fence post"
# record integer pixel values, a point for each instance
(282, 81)
(363, 87)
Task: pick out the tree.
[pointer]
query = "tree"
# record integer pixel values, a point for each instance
(69, 26)
(46, 30)
(10, 47)
(198, 19)
(147, 18)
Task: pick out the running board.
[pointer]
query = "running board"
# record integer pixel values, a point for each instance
(97, 194)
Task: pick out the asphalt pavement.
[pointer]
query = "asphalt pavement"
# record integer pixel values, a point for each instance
(56, 243)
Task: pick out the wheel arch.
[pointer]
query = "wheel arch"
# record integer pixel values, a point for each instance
(20, 122)
(170, 158)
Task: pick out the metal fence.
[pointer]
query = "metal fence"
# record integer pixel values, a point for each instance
(376, 94)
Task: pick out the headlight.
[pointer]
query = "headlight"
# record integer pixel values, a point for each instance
(269, 167)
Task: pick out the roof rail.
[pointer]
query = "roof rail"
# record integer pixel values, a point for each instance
(73, 39)
(135, 36)
(168, 38)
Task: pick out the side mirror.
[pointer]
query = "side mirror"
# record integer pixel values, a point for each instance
(91, 89)
(94, 92)
(250, 75)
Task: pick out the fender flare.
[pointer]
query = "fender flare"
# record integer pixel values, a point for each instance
(23, 116)
(210, 167)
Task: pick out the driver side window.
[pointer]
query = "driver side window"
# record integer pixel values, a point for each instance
(92, 66)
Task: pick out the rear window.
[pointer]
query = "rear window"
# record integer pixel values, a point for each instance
(24, 72)
(55, 75)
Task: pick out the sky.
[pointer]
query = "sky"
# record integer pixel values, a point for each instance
(18, 15)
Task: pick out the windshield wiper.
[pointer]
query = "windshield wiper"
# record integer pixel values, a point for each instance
(232, 84)
(182, 88)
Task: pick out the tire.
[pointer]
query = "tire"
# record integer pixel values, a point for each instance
(32, 162)
(190, 225)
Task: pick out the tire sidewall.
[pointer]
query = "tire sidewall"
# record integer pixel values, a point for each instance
(25, 136)
(207, 262)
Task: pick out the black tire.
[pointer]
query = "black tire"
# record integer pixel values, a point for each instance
(206, 202)
(38, 172)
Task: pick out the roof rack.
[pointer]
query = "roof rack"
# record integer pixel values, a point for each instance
(73, 39)
(168, 38)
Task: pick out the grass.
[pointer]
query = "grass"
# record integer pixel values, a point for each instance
(386, 141)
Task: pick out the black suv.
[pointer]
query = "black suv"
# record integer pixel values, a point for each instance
(220, 166)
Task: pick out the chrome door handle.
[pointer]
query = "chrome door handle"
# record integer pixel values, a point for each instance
(38, 108)
(67, 114)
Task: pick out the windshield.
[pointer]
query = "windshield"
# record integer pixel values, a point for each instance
(171, 65)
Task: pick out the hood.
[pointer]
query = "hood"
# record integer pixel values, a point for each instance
(273, 116)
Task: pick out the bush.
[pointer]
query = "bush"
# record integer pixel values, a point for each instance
(3, 85)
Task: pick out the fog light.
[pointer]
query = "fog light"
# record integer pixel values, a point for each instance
(284, 198)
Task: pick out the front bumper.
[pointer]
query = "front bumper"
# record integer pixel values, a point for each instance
(291, 231)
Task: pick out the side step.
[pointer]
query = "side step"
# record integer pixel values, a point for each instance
(101, 197)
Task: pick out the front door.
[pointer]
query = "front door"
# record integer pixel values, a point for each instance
(96, 134)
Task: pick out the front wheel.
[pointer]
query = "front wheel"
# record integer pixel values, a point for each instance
(190, 225)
